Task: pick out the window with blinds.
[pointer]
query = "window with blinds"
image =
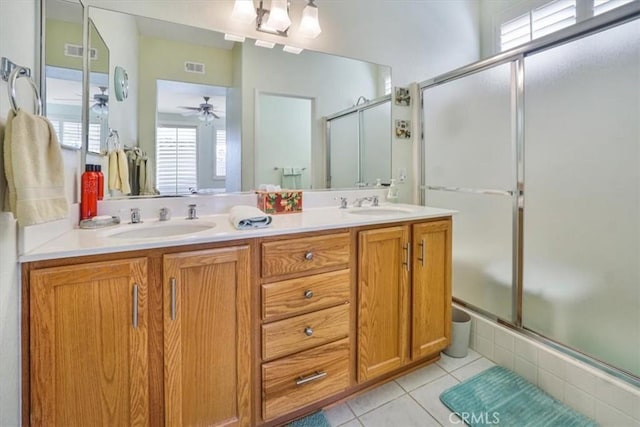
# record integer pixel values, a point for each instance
(538, 22)
(69, 134)
(221, 153)
(176, 166)
(602, 6)
(549, 18)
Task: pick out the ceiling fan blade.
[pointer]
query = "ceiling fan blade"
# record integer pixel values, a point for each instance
(215, 115)
(190, 108)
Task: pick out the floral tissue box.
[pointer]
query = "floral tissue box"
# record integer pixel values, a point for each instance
(278, 202)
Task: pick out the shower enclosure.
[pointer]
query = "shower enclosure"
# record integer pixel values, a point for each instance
(539, 150)
(359, 144)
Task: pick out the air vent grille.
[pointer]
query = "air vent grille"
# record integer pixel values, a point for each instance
(194, 67)
(75, 51)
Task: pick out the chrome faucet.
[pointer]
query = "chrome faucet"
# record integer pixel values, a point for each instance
(343, 202)
(136, 216)
(165, 214)
(373, 199)
(192, 214)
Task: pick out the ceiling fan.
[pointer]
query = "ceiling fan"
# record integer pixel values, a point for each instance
(101, 102)
(204, 111)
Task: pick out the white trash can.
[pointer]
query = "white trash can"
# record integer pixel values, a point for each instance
(460, 333)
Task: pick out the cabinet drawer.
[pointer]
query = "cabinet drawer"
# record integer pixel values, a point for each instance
(305, 254)
(302, 332)
(293, 382)
(295, 296)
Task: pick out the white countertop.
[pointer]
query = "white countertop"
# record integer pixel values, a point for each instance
(79, 242)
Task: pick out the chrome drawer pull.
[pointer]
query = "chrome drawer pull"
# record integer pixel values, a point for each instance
(421, 257)
(313, 377)
(407, 250)
(308, 294)
(308, 331)
(173, 298)
(135, 306)
(308, 256)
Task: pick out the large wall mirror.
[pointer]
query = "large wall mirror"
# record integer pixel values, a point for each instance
(208, 115)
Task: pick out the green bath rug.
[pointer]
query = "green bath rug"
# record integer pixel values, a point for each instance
(499, 397)
(314, 420)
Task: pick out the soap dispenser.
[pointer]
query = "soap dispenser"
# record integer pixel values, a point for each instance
(392, 194)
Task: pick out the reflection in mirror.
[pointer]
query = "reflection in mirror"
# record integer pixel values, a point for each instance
(190, 138)
(63, 70)
(242, 148)
(283, 141)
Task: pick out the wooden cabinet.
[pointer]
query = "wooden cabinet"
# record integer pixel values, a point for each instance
(404, 295)
(88, 344)
(431, 288)
(207, 331)
(254, 332)
(306, 344)
(383, 298)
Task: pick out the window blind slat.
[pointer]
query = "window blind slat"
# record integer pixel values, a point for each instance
(176, 170)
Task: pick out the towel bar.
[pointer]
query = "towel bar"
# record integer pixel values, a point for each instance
(17, 72)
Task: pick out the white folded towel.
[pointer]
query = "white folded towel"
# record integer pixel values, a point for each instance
(247, 217)
(34, 169)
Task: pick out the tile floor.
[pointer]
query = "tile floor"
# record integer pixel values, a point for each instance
(412, 400)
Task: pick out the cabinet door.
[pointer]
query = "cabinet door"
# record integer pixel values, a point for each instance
(207, 337)
(383, 299)
(431, 288)
(88, 329)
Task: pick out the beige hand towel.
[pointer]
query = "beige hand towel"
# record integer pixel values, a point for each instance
(34, 169)
(123, 171)
(114, 175)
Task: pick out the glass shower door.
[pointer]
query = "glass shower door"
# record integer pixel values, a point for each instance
(582, 203)
(469, 168)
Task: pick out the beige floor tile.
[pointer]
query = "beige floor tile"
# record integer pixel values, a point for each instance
(472, 369)
(428, 396)
(421, 377)
(403, 411)
(375, 398)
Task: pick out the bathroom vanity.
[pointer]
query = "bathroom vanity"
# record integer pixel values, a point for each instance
(227, 327)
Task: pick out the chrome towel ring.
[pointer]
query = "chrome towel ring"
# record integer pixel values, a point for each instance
(10, 72)
(16, 73)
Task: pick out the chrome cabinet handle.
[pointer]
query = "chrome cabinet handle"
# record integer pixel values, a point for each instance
(308, 294)
(308, 256)
(173, 298)
(135, 306)
(313, 377)
(308, 331)
(407, 250)
(421, 257)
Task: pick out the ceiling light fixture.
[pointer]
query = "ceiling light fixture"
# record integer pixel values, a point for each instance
(233, 38)
(243, 11)
(309, 25)
(262, 43)
(291, 49)
(276, 20)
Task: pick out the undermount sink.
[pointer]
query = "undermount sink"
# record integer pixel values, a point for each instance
(161, 230)
(381, 211)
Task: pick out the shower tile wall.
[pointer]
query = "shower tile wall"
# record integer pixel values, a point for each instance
(606, 399)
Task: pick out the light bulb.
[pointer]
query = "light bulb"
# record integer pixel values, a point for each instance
(309, 25)
(279, 16)
(244, 11)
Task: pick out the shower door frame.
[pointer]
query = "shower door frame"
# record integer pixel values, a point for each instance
(359, 110)
(516, 56)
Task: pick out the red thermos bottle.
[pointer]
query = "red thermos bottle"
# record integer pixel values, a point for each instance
(89, 193)
(98, 170)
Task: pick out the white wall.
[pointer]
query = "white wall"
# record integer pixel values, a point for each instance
(283, 139)
(17, 41)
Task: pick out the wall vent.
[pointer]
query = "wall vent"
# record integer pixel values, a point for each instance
(194, 67)
(75, 51)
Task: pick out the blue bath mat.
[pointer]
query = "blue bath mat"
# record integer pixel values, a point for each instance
(499, 397)
(314, 420)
